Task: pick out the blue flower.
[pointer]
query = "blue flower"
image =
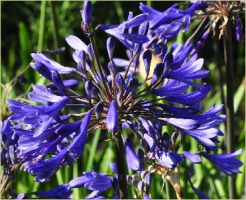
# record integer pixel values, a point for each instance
(92, 181)
(118, 31)
(97, 182)
(39, 116)
(50, 64)
(227, 163)
(44, 169)
(169, 159)
(60, 192)
(8, 143)
(50, 135)
(78, 144)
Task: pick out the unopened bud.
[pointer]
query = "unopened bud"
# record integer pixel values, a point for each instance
(99, 110)
(89, 88)
(87, 12)
(90, 52)
(157, 73)
(110, 47)
(119, 81)
(147, 56)
(112, 68)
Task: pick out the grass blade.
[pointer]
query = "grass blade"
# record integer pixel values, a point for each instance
(93, 149)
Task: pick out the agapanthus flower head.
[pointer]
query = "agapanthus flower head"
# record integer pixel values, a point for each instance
(223, 13)
(50, 136)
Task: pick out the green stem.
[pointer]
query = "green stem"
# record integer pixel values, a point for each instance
(55, 27)
(93, 149)
(167, 186)
(228, 53)
(76, 175)
(41, 25)
(120, 160)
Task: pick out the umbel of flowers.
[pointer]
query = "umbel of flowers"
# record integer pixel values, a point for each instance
(46, 137)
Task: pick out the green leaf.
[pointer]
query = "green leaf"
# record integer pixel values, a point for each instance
(93, 149)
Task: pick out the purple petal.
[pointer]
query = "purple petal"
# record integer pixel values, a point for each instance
(43, 95)
(51, 64)
(194, 158)
(113, 167)
(183, 123)
(139, 19)
(140, 39)
(78, 144)
(78, 182)
(42, 69)
(76, 43)
(199, 193)
(70, 83)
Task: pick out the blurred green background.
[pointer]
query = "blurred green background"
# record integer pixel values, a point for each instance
(32, 26)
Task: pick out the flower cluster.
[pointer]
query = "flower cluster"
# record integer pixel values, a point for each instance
(49, 137)
(222, 13)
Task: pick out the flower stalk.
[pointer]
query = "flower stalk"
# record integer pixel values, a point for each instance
(230, 141)
(7, 182)
(121, 164)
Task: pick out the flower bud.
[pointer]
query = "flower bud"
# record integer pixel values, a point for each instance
(140, 154)
(168, 60)
(239, 32)
(131, 157)
(112, 117)
(87, 12)
(90, 52)
(110, 47)
(89, 88)
(112, 68)
(200, 44)
(147, 56)
(119, 81)
(80, 67)
(133, 85)
(82, 56)
(99, 110)
(95, 93)
(157, 73)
